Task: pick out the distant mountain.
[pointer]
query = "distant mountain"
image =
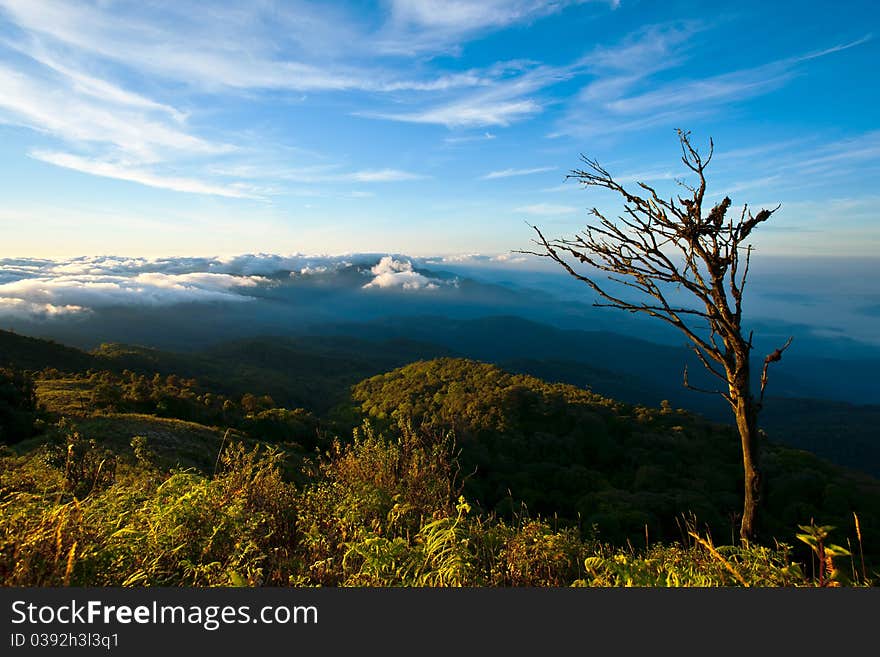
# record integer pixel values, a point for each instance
(509, 338)
(316, 372)
(842, 429)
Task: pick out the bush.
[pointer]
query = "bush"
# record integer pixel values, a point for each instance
(18, 406)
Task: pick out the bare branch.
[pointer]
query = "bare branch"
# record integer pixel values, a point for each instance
(687, 385)
(772, 358)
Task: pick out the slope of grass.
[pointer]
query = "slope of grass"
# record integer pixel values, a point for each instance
(174, 443)
(381, 511)
(65, 395)
(630, 470)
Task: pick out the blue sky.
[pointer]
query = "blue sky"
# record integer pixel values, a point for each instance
(420, 126)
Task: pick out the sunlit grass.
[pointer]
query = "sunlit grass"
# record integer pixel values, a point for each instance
(374, 512)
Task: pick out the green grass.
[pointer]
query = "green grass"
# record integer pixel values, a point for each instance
(379, 511)
(64, 396)
(175, 443)
(574, 480)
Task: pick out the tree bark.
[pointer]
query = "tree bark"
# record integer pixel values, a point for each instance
(746, 412)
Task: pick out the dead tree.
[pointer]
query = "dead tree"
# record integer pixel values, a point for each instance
(658, 246)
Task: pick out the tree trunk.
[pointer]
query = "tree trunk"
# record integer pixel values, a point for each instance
(747, 423)
(745, 410)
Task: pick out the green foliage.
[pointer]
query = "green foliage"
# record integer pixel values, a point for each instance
(202, 532)
(380, 511)
(18, 405)
(169, 443)
(560, 451)
(462, 475)
(693, 565)
(372, 488)
(105, 391)
(816, 537)
(98, 394)
(281, 424)
(187, 530)
(85, 466)
(444, 550)
(531, 553)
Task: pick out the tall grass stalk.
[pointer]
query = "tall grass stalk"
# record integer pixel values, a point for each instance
(724, 562)
(861, 547)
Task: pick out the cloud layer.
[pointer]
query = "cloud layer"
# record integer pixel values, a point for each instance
(54, 293)
(54, 288)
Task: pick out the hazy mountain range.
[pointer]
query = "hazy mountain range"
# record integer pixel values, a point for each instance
(503, 309)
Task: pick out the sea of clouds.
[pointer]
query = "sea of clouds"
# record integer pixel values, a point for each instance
(835, 298)
(41, 288)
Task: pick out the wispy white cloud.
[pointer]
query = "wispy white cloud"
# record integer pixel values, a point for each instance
(112, 131)
(470, 112)
(196, 50)
(625, 96)
(512, 96)
(736, 86)
(84, 83)
(486, 136)
(76, 52)
(230, 48)
(508, 173)
(761, 182)
(465, 15)
(854, 150)
(324, 173)
(75, 118)
(416, 26)
(648, 50)
(120, 171)
(837, 48)
(381, 175)
(547, 209)
(759, 152)
(800, 164)
(119, 90)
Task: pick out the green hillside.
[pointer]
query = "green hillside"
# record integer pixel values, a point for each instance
(29, 353)
(316, 373)
(313, 372)
(440, 472)
(524, 481)
(566, 452)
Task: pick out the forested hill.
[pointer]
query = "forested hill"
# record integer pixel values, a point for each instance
(316, 373)
(568, 452)
(532, 482)
(311, 371)
(29, 353)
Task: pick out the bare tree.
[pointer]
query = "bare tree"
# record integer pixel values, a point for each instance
(660, 246)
